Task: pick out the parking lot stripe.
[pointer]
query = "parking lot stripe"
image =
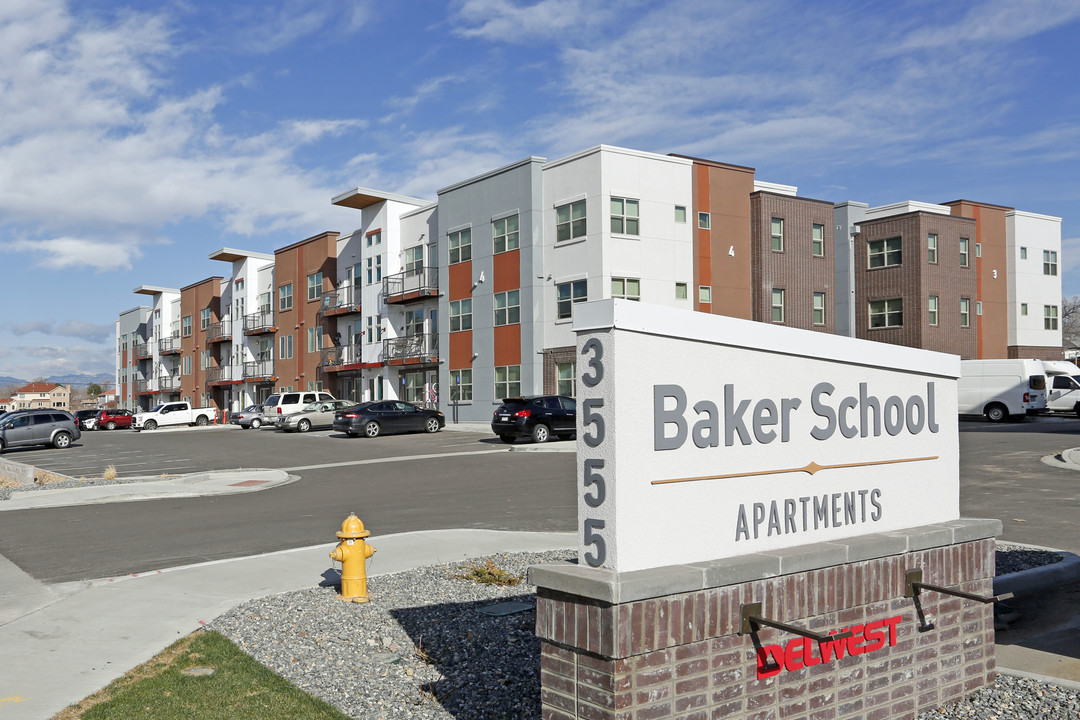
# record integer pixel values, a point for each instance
(399, 458)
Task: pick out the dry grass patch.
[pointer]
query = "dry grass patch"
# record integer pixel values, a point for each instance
(44, 477)
(6, 482)
(110, 473)
(489, 574)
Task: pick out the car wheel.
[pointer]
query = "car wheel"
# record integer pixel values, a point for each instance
(150, 425)
(996, 412)
(432, 425)
(508, 439)
(371, 429)
(541, 433)
(62, 440)
(202, 420)
(303, 425)
(110, 425)
(256, 424)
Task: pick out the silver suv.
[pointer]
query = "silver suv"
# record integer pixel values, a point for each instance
(45, 426)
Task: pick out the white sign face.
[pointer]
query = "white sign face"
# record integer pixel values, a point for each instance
(703, 437)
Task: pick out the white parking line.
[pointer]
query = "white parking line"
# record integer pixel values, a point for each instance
(376, 461)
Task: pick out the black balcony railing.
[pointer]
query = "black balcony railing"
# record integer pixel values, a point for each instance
(414, 284)
(258, 370)
(169, 383)
(219, 331)
(333, 359)
(340, 302)
(169, 345)
(224, 373)
(142, 350)
(142, 386)
(259, 322)
(411, 348)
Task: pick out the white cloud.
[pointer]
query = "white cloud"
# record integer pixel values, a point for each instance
(995, 21)
(94, 332)
(503, 21)
(65, 252)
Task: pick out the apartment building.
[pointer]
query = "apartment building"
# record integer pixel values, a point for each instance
(1033, 252)
(200, 307)
(131, 332)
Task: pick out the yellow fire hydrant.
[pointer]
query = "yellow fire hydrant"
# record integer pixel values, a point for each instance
(352, 552)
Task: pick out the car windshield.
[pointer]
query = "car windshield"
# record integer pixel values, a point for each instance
(312, 406)
(156, 408)
(252, 408)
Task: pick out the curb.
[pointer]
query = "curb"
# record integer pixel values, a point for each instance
(1039, 579)
(1047, 679)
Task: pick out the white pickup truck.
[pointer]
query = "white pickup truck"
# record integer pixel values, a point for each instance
(174, 413)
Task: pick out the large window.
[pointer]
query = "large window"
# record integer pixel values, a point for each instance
(508, 307)
(1050, 262)
(414, 260)
(461, 315)
(185, 365)
(185, 325)
(1050, 317)
(963, 252)
(777, 305)
(629, 288)
(885, 253)
(507, 381)
(314, 286)
(965, 312)
(819, 308)
(817, 240)
(374, 328)
(886, 313)
(776, 234)
(566, 378)
(932, 310)
(204, 359)
(285, 297)
(504, 232)
(568, 293)
(285, 346)
(461, 385)
(570, 221)
(460, 246)
(204, 318)
(931, 248)
(374, 269)
(314, 339)
(624, 216)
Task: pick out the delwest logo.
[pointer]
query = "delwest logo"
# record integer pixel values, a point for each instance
(799, 653)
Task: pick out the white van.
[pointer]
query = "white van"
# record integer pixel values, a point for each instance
(1000, 389)
(1062, 386)
(283, 403)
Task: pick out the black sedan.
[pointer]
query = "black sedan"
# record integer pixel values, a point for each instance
(372, 419)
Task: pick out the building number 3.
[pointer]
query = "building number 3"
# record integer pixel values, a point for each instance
(593, 480)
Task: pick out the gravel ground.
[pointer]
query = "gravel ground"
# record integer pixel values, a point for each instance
(442, 660)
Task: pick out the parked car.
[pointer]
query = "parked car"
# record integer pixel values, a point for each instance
(372, 419)
(87, 419)
(287, 403)
(45, 426)
(112, 419)
(174, 413)
(535, 416)
(249, 417)
(315, 415)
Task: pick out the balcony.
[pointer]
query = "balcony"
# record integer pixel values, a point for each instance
(169, 383)
(144, 387)
(411, 285)
(143, 351)
(259, 323)
(340, 302)
(411, 349)
(345, 357)
(169, 346)
(223, 375)
(219, 332)
(259, 371)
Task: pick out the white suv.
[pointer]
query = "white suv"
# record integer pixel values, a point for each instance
(285, 403)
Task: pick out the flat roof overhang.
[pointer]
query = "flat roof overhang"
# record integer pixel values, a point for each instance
(360, 198)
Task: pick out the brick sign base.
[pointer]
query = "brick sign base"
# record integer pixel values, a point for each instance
(620, 647)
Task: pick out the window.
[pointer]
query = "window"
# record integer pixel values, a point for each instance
(285, 347)
(778, 306)
(374, 238)
(965, 312)
(314, 340)
(1023, 253)
(204, 318)
(238, 286)
(817, 240)
(414, 260)
(314, 286)
(264, 302)
(776, 234)
(932, 310)
(374, 328)
(885, 253)
(461, 385)
(566, 378)
(568, 293)
(978, 307)
(704, 294)
(508, 381)
(704, 220)
(186, 326)
(1023, 308)
(204, 359)
(978, 249)
(570, 221)
(374, 269)
(624, 216)
(1049, 262)
(1050, 317)
(680, 291)
(886, 313)
(508, 308)
(285, 297)
(505, 234)
(963, 252)
(819, 308)
(461, 315)
(185, 365)
(460, 246)
(629, 288)
(931, 248)
(680, 213)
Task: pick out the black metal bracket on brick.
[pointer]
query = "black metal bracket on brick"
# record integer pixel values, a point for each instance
(913, 586)
(752, 619)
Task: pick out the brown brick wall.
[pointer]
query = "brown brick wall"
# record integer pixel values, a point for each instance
(1039, 352)
(796, 270)
(680, 656)
(551, 357)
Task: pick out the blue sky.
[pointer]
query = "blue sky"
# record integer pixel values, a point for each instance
(136, 138)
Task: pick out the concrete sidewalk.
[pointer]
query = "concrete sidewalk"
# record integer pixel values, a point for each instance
(61, 643)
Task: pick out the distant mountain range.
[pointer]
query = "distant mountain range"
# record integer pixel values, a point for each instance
(75, 380)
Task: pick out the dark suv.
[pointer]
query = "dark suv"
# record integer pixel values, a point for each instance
(87, 419)
(43, 426)
(535, 416)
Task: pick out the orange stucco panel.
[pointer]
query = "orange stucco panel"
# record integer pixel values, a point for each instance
(507, 349)
(460, 355)
(507, 271)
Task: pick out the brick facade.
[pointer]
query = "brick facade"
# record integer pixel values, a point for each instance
(680, 656)
(1033, 351)
(552, 357)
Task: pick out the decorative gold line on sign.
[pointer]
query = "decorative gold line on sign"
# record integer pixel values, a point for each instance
(810, 468)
